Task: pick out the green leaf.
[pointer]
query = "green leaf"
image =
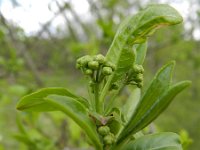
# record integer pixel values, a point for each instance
(36, 102)
(158, 86)
(78, 113)
(141, 50)
(154, 107)
(133, 30)
(162, 103)
(157, 141)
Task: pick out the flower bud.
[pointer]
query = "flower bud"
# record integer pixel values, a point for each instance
(78, 61)
(78, 66)
(139, 77)
(109, 64)
(104, 130)
(91, 83)
(93, 65)
(107, 71)
(100, 58)
(113, 67)
(140, 85)
(109, 139)
(138, 68)
(85, 59)
(88, 72)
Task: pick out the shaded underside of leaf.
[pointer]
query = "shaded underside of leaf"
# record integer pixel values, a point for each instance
(60, 99)
(141, 50)
(157, 141)
(78, 113)
(35, 101)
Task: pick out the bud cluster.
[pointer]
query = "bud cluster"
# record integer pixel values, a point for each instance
(137, 76)
(108, 137)
(97, 67)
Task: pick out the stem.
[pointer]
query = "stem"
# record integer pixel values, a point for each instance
(96, 97)
(97, 87)
(104, 92)
(110, 103)
(91, 99)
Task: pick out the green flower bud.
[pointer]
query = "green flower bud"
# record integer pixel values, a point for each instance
(104, 130)
(78, 61)
(109, 64)
(85, 59)
(140, 85)
(78, 66)
(107, 71)
(91, 83)
(139, 77)
(93, 65)
(138, 68)
(109, 139)
(88, 72)
(100, 58)
(113, 67)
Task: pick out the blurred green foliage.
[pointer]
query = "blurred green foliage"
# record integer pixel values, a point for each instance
(54, 58)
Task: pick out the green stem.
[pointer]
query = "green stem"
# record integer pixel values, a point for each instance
(110, 103)
(91, 98)
(96, 96)
(104, 92)
(109, 106)
(97, 89)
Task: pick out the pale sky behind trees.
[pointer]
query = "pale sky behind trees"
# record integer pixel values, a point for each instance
(30, 14)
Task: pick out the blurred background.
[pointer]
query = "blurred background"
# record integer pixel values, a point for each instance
(40, 42)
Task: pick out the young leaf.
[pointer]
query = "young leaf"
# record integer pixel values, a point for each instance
(135, 29)
(158, 86)
(36, 102)
(78, 113)
(157, 141)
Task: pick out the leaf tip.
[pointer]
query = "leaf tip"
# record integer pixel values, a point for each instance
(173, 63)
(170, 65)
(173, 16)
(186, 83)
(18, 107)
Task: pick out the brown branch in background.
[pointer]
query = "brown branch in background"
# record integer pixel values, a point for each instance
(45, 27)
(62, 141)
(86, 30)
(71, 30)
(48, 23)
(94, 8)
